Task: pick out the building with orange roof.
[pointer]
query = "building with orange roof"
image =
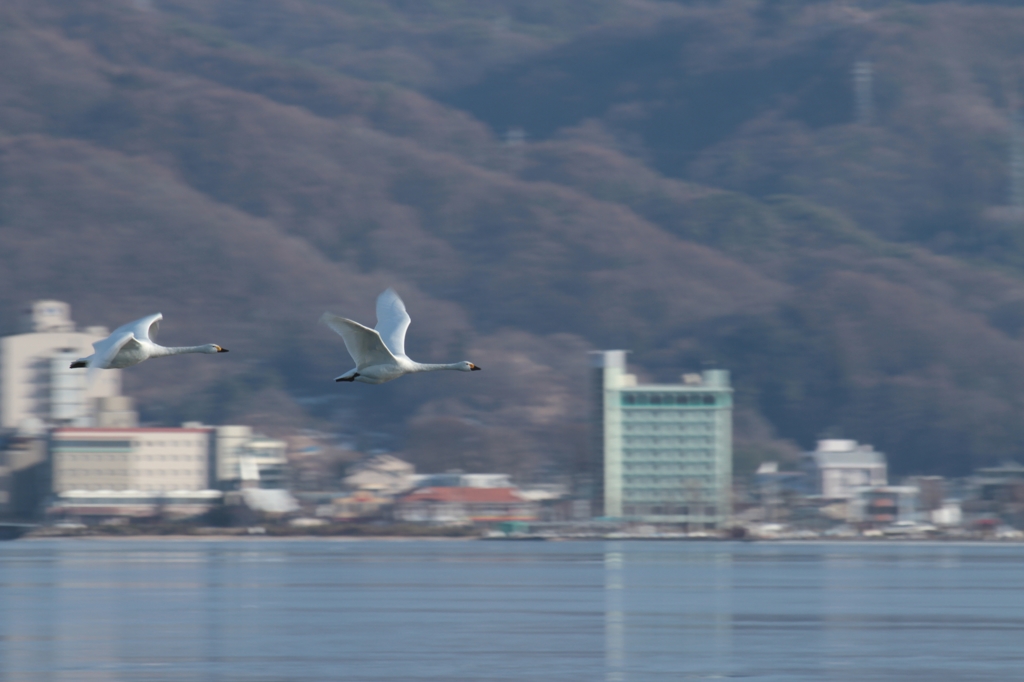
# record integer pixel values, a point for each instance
(460, 505)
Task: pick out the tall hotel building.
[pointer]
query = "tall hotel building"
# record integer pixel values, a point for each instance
(661, 453)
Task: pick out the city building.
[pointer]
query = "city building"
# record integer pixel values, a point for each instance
(884, 504)
(228, 444)
(38, 388)
(136, 459)
(662, 453)
(838, 468)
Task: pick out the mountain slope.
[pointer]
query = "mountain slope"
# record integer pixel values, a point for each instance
(201, 161)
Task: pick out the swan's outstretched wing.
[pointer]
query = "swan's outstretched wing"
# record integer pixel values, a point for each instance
(143, 329)
(363, 344)
(105, 350)
(392, 321)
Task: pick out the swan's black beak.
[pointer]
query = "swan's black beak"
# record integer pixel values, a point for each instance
(221, 350)
(474, 368)
(78, 363)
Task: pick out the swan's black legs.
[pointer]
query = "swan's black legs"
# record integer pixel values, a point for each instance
(351, 378)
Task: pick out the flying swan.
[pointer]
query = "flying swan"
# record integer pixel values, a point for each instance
(131, 344)
(380, 353)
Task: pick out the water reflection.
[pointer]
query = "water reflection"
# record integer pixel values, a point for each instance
(489, 612)
(614, 616)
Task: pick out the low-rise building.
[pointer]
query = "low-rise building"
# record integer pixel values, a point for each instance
(886, 504)
(382, 475)
(837, 469)
(462, 505)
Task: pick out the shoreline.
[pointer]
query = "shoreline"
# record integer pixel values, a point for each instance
(470, 538)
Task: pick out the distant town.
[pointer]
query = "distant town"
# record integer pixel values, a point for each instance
(75, 461)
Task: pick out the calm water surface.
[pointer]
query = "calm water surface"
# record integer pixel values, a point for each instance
(249, 609)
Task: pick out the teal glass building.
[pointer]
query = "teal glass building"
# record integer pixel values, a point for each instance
(662, 453)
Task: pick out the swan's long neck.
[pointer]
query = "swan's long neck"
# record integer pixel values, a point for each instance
(160, 351)
(431, 367)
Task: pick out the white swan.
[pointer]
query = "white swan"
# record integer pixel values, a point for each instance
(380, 353)
(131, 344)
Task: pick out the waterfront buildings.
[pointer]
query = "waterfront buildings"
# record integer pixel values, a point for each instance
(460, 505)
(662, 453)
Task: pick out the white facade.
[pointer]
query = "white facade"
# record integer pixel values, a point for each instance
(147, 459)
(37, 384)
(229, 443)
(665, 450)
(241, 457)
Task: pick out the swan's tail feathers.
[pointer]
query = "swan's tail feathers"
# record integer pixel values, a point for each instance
(78, 364)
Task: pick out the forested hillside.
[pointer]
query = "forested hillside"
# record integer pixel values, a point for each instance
(691, 181)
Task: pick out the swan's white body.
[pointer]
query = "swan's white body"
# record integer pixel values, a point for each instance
(379, 353)
(133, 343)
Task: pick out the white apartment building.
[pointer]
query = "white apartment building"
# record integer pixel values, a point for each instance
(37, 385)
(139, 459)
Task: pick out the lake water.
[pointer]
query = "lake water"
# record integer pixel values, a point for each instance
(252, 609)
